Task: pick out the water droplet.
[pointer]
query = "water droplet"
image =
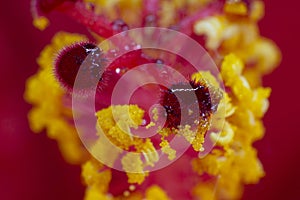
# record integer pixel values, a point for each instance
(118, 70)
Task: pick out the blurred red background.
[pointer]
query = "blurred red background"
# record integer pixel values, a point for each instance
(31, 166)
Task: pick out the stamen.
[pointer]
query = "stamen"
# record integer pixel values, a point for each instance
(46, 6)
(40, 8)
(185, 24)
(150, 10)
(78, 11)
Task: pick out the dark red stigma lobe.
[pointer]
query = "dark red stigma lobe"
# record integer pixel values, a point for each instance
(85, 58)
(190, 101)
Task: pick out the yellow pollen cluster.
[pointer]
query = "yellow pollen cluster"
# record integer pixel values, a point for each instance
(96, 175)
(235, 162)
(167, 149)
(41, 23)
(49, 112)
(195, 138)
(236, 7)
(156, 193)
(115, 123)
